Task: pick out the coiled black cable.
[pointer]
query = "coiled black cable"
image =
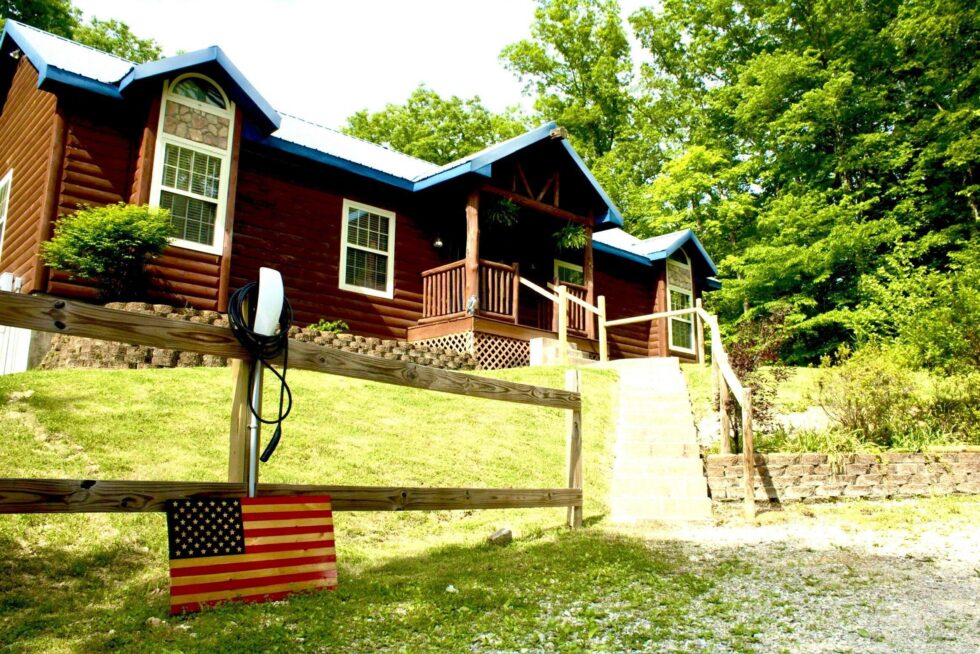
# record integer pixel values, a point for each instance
(263, 350)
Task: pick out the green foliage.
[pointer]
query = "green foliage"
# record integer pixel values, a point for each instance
(111, 244)
(577, 64)
(56, 16)
(873, 396)
(64, 19)
(571, 237)
(434, 128)
(501, 211)
(115, 37)
(330, 326)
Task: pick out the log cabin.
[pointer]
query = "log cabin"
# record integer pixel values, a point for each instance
(462, 255)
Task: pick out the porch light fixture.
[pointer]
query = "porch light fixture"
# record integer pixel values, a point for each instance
(437, 243)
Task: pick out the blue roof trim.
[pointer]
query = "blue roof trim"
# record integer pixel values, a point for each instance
(213, 54)
(684, 237)
(52, 74)
(713, 283)
(249, 132)
(612, 215)
(513, 145)
(451, 173)
(616, 252)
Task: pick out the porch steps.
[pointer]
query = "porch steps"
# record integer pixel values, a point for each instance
(657, 474)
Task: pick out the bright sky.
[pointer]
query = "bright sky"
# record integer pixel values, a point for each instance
(323, 60)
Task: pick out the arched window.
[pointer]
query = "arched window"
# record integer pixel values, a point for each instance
(192, 159)
(680, 295)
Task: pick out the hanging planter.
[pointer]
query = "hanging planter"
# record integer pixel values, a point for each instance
(571, 237)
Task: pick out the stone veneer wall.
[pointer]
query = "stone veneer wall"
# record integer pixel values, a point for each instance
(782, 477)
(75, 352)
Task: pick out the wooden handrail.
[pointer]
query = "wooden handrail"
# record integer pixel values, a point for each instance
(577, 300)
(537, 289)
(49, 314)
(497, 265)
(649, 316)
(444, 268)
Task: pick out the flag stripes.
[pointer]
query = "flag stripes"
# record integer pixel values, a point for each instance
(288, 546)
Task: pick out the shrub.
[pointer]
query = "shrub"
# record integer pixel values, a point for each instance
(111, 245)
(330, 326)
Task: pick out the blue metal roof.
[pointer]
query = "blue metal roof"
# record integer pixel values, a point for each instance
(61, 60)
(619, 243)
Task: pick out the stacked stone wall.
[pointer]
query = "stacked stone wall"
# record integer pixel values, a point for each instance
(75, 352)
(786, 477)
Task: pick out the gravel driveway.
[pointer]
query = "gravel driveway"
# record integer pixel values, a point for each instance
(824, 579)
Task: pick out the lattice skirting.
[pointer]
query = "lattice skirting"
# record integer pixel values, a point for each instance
(491, 352)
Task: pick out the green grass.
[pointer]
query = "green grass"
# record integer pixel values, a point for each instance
(92, 582)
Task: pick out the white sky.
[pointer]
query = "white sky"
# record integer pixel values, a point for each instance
(324, 60)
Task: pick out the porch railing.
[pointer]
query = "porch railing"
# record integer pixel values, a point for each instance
(444, 292)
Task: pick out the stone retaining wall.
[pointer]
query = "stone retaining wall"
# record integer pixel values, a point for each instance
(76, 352)
(782, 477)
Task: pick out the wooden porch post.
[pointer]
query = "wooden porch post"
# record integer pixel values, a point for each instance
(588, 271)
(699, 332)
(748, 454)
(724, 426)
(472, 285)
(574, 428)
(601, 319)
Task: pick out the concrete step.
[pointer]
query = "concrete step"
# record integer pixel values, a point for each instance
(657, 448)
(653, 466)
(662, 509)
(643, 483)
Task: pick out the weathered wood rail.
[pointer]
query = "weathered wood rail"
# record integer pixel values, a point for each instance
(74, 496)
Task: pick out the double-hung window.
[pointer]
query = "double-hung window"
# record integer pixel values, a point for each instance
(192, 161)
(680, 295)
(367, 250)
(4, 203)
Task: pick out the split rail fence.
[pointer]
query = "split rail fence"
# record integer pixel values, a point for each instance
(97, 496)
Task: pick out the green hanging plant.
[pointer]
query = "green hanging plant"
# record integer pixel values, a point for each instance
(503, 212)
(571, 237)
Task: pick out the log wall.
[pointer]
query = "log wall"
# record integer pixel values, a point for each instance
(630, 291)
(289, 218)
(28, 123)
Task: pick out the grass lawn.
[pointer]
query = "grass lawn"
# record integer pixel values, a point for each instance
(409, 580)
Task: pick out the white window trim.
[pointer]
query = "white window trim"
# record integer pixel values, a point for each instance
(566, 264)
(690, 317)
(217, 246)
(4, 210)
(389, 291)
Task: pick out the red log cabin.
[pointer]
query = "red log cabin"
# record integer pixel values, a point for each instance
(459, 255)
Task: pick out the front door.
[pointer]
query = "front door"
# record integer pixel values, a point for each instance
(680, 295)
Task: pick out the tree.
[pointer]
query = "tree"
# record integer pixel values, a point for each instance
(115, 37)
(62, 18)
(56, 16)
(434, 128)
(841, 132)
(578, 65)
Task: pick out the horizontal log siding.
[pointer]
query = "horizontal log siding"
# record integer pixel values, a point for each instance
(629, 291)
(100, 167)
(286, 220)
(27, 124)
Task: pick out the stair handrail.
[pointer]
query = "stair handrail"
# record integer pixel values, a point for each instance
(723, 378)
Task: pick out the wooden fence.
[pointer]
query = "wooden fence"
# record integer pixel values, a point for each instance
(87, 495)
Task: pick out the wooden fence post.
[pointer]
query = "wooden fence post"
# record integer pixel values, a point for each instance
(603, 343)
(238, 435)
(725, 426)
(574, 427)
(748, 454)
(699, 331)
(563, 324)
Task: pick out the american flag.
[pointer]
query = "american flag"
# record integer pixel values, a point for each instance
(250, 549)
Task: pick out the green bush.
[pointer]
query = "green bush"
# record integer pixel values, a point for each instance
(874, 396)
(110, 245)
(330, 326)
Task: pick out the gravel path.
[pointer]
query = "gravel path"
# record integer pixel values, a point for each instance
(810, 585)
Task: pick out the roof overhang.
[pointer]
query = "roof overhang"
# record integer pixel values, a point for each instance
(213, 60)
(658, 248)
